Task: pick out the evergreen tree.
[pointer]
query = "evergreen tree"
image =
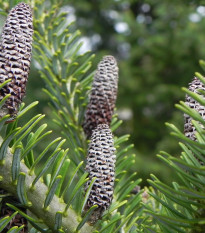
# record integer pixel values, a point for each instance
(51, 188)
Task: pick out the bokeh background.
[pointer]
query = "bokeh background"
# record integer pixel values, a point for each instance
(158, 44)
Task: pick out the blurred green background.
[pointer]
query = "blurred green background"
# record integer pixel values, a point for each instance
(158, 44)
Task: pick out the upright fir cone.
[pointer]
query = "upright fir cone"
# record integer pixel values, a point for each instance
(15, 56)
(189, 129)
(103, 95)
(100, 164)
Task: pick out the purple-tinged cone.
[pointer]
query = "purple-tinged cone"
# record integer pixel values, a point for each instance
(103, 95)
(15, 56)
(100, 164)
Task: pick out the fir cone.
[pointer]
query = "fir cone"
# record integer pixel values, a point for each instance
(15, 56)
(189, 129)
(100, 164)
(103, 95)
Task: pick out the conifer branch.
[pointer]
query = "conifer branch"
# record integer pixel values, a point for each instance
(36, 197)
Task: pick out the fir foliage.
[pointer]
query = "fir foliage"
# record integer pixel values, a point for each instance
(49, 186)
(183, 203)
